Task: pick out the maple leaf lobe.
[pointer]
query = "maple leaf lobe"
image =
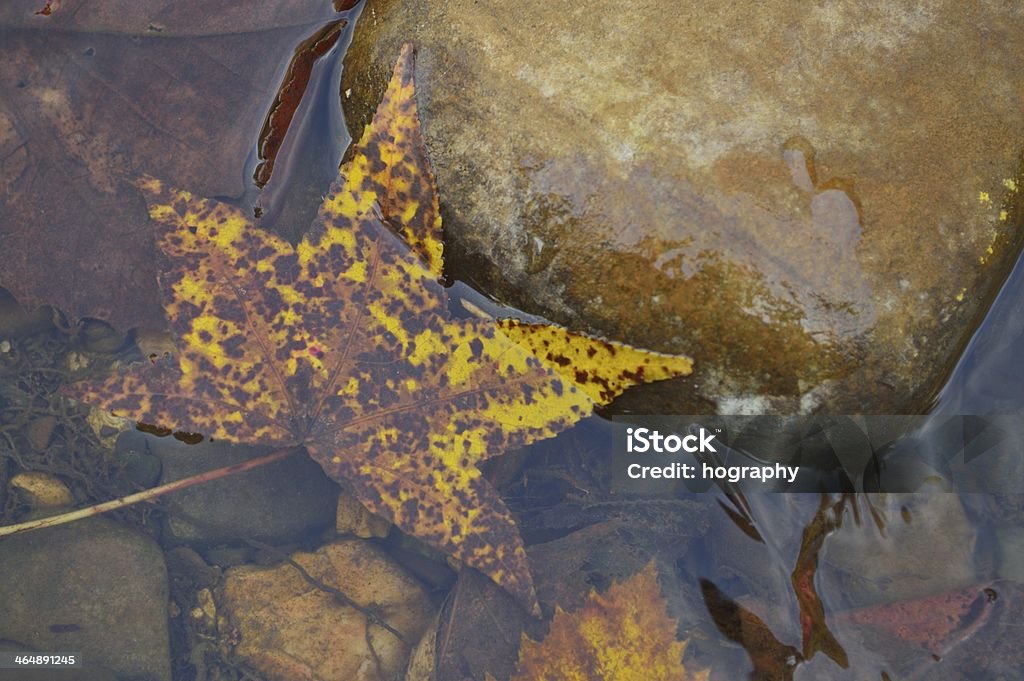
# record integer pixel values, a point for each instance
(390, 167)
(603, 369)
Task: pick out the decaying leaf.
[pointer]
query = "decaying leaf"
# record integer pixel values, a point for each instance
(624, 634)
(936, 623)
(479, 631)
(344, 344)
(770, 657)
(817, 636)
(279, 118)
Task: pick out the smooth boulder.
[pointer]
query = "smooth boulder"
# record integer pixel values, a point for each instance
(816, 202)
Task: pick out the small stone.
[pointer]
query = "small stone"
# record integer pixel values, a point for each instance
(205, 611)
(353, 518)
(92, 587)
(39, 432)
(155, 344)
(135, 459)
(42, 490)
(76, 361)
(101, 338)
(16, 321)
(288, 628)
(278, 503)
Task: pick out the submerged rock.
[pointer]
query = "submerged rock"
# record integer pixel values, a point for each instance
(278, 503)
(288, 628)
(42, 490)
(899, 547)
(815, 202)
(91, 587)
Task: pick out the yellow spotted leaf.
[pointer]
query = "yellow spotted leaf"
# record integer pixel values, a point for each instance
(343, 344)
(624, 634)
(391, 167)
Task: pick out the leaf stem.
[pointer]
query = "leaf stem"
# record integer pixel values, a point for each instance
(149, 494)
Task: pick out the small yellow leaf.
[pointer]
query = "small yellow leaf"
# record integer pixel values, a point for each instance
(624, 634)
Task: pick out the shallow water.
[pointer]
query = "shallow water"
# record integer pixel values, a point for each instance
(801, 586)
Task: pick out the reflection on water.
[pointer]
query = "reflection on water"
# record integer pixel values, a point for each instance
(895, 585)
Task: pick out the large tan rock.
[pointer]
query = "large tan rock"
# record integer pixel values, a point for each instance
(288, 628)
(814, 201)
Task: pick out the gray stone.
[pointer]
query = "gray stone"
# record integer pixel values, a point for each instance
(814, 201)
(138, 464)
(899, 547)
(16, 321)
(91, 587)
(1010, 557)
(279, 503)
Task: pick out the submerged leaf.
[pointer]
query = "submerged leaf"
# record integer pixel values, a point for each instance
(344, 344)
(624, 634)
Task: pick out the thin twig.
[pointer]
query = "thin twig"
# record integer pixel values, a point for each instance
(148, 494)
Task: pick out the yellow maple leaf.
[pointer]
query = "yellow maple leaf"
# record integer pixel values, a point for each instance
(624, 634)
(344, 345)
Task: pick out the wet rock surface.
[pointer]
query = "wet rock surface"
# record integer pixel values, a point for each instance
(353, 518)
(92, 587)
(816, 203)
(289, 628)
